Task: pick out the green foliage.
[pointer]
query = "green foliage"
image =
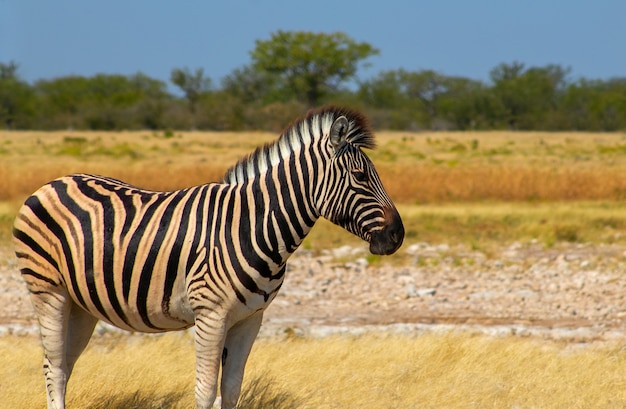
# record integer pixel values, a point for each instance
(103, 101)
(310, 64)
(519, 98)
(16, 98)
(250, 86)
(194, 85)
(595, 105)
(527, 98)
(296, 70)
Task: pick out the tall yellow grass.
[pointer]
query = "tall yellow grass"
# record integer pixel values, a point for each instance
(372, 371)
(415, 167)
(428, 183)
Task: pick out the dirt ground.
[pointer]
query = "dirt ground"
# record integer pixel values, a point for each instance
(573, 292)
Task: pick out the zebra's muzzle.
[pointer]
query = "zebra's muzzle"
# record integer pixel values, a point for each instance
(389, 239)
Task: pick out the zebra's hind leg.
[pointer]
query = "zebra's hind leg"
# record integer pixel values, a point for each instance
(79, 329)
(53, 311)
(239, 340)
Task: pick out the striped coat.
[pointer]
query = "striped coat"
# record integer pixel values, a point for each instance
(214, 256)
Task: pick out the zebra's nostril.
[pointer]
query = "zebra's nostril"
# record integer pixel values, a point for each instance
(389, 239)
(395, 228)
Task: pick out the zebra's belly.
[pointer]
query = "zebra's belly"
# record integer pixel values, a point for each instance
(163, 325)
(151, 317)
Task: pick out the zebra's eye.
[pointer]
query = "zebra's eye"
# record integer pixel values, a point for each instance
(360, 176)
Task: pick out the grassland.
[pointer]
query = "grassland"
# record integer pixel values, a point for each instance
(469, 187)
(372, 371)
(416, 168)
(480, 189)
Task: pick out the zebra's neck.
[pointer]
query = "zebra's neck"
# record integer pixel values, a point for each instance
(302, 135)
(277, 185)
(276, 207)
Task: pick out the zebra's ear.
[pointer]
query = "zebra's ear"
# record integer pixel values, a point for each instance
(338, 132)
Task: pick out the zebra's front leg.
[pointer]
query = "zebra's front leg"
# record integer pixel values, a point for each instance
(209, 341)
(239, 340)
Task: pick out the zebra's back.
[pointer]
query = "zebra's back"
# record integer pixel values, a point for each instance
(122, 253)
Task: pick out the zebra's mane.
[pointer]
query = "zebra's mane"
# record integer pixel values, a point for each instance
(304, 131)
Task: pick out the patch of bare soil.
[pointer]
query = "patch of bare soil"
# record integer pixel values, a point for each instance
(571, 291)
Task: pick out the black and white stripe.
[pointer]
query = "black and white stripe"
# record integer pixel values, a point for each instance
(213, 256)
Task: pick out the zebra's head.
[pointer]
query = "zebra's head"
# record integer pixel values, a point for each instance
(352, 195)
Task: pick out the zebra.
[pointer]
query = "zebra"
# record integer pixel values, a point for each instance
(211, 256)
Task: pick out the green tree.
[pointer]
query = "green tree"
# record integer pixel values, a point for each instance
(423, 99)
(150, 108)
(613, 105)
(102, 102)
(466, 104)
(62, 101)
(388, 104)
(427, 87)
(16, 98)
(527, 97)
(112, 101)
(384, 90)
(596, 105)
(253, 86)
(309, 64)
(193, 85)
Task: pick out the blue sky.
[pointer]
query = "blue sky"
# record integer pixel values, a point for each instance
(52, 38)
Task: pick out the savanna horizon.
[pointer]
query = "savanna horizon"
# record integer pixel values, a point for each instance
(416, 168)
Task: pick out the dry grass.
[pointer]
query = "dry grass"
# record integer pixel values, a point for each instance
(492, 171)
(511, 166)
(151, 160)
(429, 183)
(373, 371)
(491, 225)
(415, 167)
(480, 225)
